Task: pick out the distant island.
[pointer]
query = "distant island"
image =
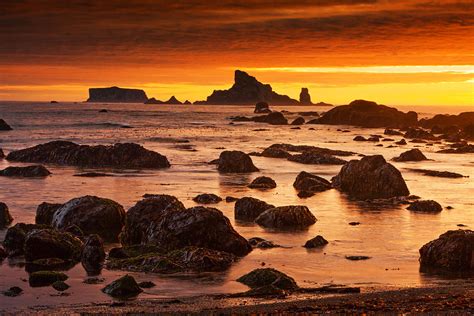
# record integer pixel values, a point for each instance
(246, 90)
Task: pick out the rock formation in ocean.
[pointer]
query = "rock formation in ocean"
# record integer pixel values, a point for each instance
(305, 98)
(153, 101)
(173, 100)
(117, 95)
(247, 90)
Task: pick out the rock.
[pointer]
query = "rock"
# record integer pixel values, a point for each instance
(125, 287)
(3, 253)
(50, 243)
(370, 178)
(298, 121)
(357, 258)
(103, 111)
(286, 217)
(117, 95)
(262, 107)
(308, 182)
(411, 155)
(441, 174)
(273, 118)
(245, 91)
(273, 152)
(257, 242)
(263, 183)
(230, 199)
(305, 98)
(93, 254)
(75, 231)
(467, 149)
(373, 139)
(401, 142)
(248, 208)
(392, 132)
(354, 223)
(282, 151)
(359, 138)
(419, 134)
(187, 102)
(268, 276)
(45, 212)
(13, 291)
(315, 158)
(141, 219)
(207, 198)
(37, 171)
(118, 253)
(173, 101)
(146, 284)
(93, 215)
(125, 155)
(4, 126)
(367, 114)
(305, 194)
(60, 286)
(452, 251)
(93, 174)
(46, 278)
(429, 206)
(444, 120)
(153, 101)
(235, 162)
(15, 238)
(2, 155)
(5, 217)
(316, 242)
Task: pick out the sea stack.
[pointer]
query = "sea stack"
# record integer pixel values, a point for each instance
(117, 95)
(305, 98)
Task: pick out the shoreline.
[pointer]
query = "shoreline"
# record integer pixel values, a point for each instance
(450, 298)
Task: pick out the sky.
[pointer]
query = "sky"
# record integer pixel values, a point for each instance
(404, 52)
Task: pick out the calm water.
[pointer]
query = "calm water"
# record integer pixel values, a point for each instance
(391, 237)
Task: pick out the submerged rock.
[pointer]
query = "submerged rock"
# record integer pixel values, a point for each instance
(263, 183)
(51, 243)
(411, 155)
(248, 208)
(46, 278)
(392, 132)
(287, 217)
(359, 138)
(310, 183)
(13, 291)
(5, 216)
(314, 158)
(235, 162)
(37, 171)
(268, 276)
(257, 242)
(207, 198)
(262, 107)
(435, 173)
(316, 242)
(428, 206)
(452, 251)
(93, 254)
(370, 178)
(466, 149)
(93, 215)
(121, 155)
(4, 126)
(124, 287)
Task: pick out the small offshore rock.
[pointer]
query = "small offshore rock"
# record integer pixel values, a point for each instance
(207, 198)
(230, 199)
(428, 206)
(46, 278)
(93, 254)
(13, 291)
(4, 126)
(411, 155)
(357, 258)
(309, 182)
(286, 217)
(36, 171)
(248, 208)
(60, 286)
(263, 183)
(359, 138)
(235, 162)
(316, 242)
(268, 276)
(401, 142)
(298, 121)
(5, 216)
(262, 107)
(146, 284)
(124, 287)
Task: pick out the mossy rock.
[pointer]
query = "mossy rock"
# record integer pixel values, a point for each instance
(46, 278)
(268, 276)
(125, 287)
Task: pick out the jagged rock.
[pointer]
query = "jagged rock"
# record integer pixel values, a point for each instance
(366, 114)
(50, 243)
(316, 242)
(173, 100)
(305, 98)
(207, 198)
(125, 287)
(93, 215)
(273, 118)
(37, 171)
(298, 121)
(5, 216)
(429, 206)
(411, 155)
(419, 133)
(359, 138)
(452, 251)
(235, 162)
(248, 208)
(314, 158)
(392, 132)
(441, 174)
(262, 107)
(15, 238)
(46, 278)
(4, 126)
(310, 183)
(93, 254)
(263, 183)
(153, 101)
(286, 217)
(247, 90)
(125, 155)
(370, 178)
(187, 102)
(268, 276)
(117, 95)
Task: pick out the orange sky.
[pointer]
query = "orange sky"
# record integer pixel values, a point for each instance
(340, 49)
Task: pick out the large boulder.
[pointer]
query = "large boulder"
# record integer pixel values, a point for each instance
(411, 155)
(248, 208)
(93, 254)
(4, 126)
(121, 155)
(37, 171)
(309, 182)
(140, 219)
(262, 107)
(370, 178)
(5, 216)
(235, 162)
(263, 183)
(51, 243)
(93, 215)
(45, 212)
(287, 217)
(428, 206)
(367, 114)
(452, 251)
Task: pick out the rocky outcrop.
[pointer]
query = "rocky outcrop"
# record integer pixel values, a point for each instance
(207, 198)
(367, 114)
(370, 178)
(37, 171)
(411, 155)
(93, 215)
(5, 217)
(93, 254)
(310, 183)
(286, 217)
(262, 107)
(122, 155)
(453, 251)
(305, 98)
(235, 162)
(316, 242)
(247, 90)
(117, 95)
(173, 101)
(263, 183)
(187, 102)
(153, 101)
(248, 208)
(45, 212)
(4, 126)
(51, 243)
(428, 206)
(444, 120)
(125, 287)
